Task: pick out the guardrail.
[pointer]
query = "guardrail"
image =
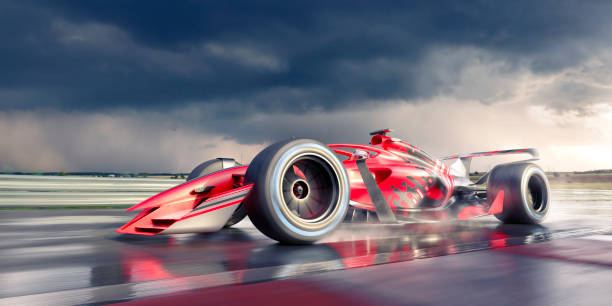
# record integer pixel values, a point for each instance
(58, 191)
(61, 191)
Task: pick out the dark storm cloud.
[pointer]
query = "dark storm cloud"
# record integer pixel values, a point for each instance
(162, 86)
(284, 56)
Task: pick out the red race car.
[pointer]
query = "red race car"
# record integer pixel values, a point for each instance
(299, 190)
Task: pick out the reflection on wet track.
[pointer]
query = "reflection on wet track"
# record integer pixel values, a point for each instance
(74, 256)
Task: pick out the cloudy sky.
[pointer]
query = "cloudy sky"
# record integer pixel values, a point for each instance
(161, 86)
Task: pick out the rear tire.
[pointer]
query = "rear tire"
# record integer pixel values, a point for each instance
(301, 191)
(214, 165)
(526, 192)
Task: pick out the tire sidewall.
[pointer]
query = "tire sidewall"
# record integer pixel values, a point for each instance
(513, 179)
(275, 193)
(267, 191)
(529, 172)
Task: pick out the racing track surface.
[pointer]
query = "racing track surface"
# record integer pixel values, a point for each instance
(65, 257)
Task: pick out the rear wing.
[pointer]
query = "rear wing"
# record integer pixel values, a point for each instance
(533, 152)
(461, 168)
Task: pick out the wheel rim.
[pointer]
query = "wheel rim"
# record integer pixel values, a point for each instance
(537, 194)
(309, 190)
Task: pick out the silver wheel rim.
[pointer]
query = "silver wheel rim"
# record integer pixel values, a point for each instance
(323, 226)
(309, 189)
(535, 192)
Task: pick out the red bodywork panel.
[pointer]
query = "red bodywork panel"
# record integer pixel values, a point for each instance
(408, 178)
(412, 183)
(163, 210)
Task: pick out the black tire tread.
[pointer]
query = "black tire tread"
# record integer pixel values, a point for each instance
(508, 177)
(259, 173)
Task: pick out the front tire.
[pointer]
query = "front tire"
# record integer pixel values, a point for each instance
(526, 192)
(301, 191)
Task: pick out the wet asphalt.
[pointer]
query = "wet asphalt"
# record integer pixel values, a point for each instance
(73, 256)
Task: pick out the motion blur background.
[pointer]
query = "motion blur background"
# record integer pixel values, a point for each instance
(155, 86)
(152, 88)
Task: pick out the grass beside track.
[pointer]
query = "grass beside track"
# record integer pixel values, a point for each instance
(590, 185)
(569, 180)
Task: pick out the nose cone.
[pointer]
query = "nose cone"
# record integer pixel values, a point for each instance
(164, 209)
(171, 206)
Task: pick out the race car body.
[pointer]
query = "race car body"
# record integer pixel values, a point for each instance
(201, 205)
(299, 190)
